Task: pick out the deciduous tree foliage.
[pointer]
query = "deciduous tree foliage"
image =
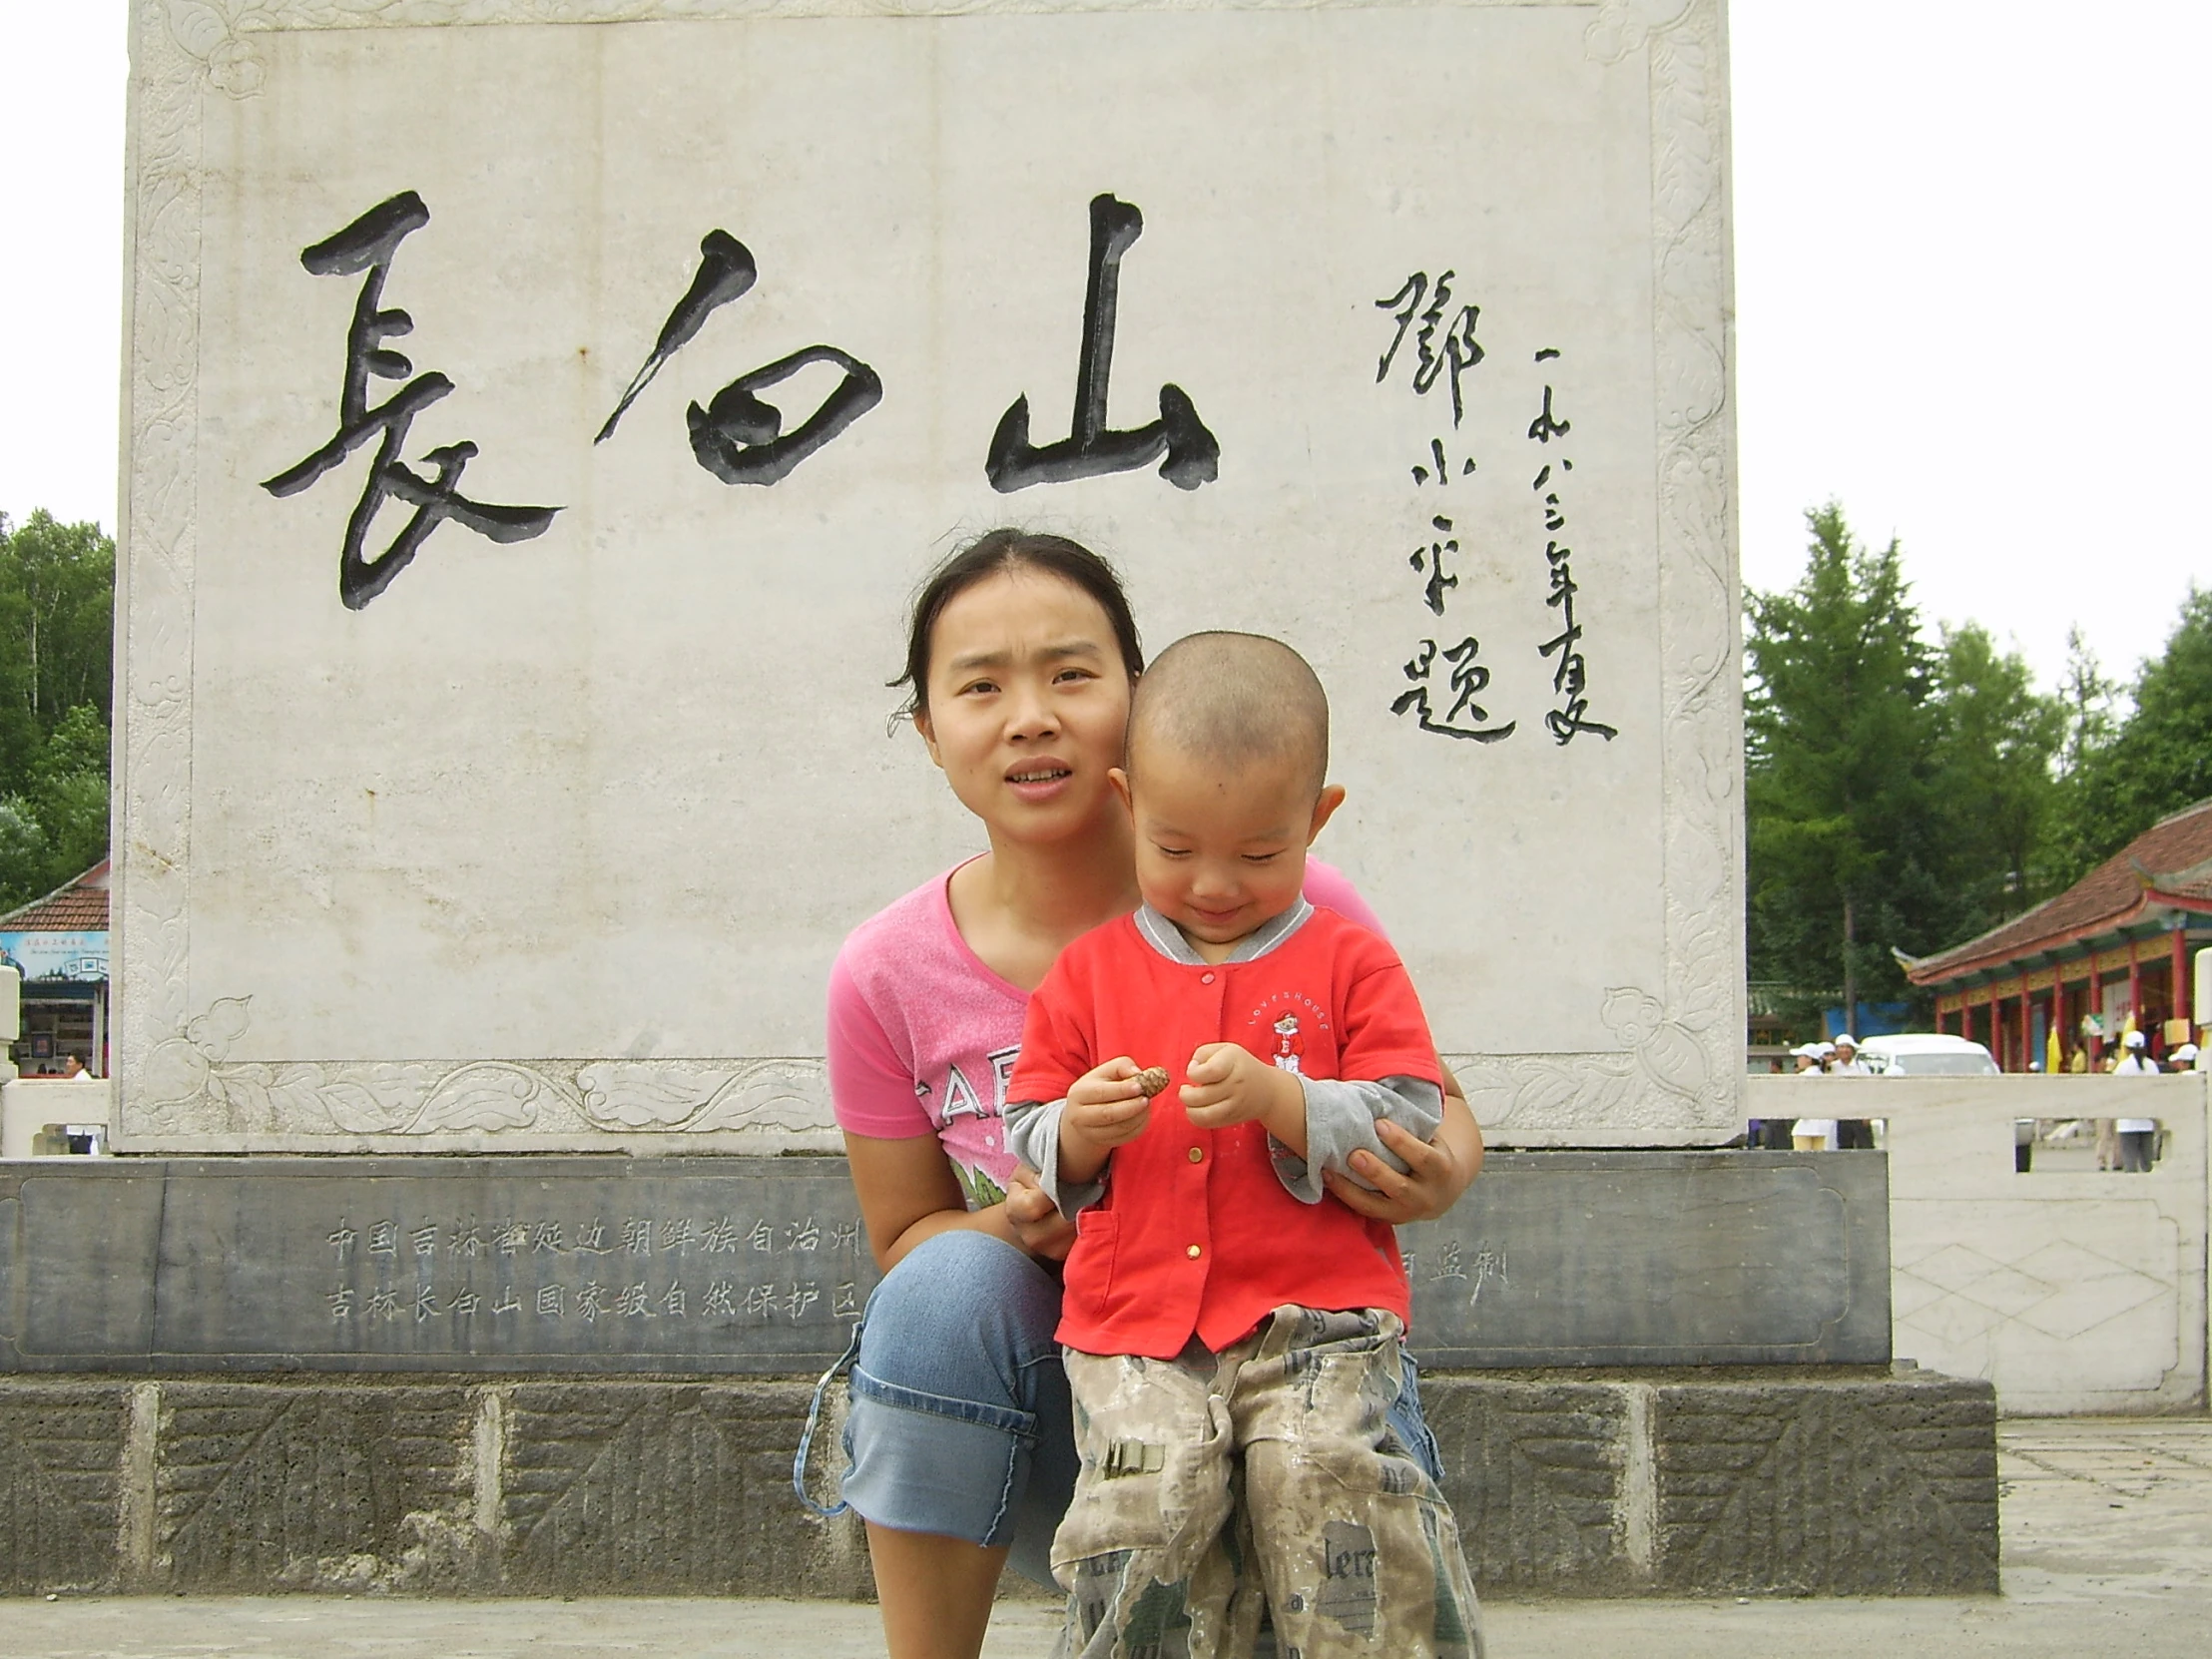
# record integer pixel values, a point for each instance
(57, 608)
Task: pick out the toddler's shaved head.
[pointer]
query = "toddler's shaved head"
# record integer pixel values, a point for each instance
(1230, 699)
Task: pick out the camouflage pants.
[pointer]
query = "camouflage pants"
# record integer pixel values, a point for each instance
(1211, 1478)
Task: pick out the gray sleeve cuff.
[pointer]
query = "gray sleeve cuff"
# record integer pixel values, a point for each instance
(1033, 1137)
(1340, 1120)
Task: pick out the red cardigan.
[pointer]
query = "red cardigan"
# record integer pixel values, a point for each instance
(1196, 1234)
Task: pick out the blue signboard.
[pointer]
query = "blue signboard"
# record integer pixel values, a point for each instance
(75, 959)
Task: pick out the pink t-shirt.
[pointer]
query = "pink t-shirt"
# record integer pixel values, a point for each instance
(923, 1036)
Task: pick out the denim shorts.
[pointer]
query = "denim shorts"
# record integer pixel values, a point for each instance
(960, 1423)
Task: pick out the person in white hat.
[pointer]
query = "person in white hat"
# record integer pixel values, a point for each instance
(2135, 1134)
(2187, 1058)
(1813, 1134)
(2137, 1058)
(1852, 1134)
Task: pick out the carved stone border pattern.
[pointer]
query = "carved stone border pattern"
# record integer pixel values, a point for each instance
(1677, 1076)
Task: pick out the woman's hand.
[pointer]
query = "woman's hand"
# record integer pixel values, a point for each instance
(1435, 1177)
(1039, 1225)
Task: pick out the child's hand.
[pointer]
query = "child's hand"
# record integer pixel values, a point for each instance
(1107, 1107)
(1231, 1084)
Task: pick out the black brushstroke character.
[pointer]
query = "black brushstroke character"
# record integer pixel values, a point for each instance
(1193, 455)
(1570, 678)
(1469, 679)
(738, 437)
(1544, 428)
(1431, 559)
(727, 271)
(1443, 467)
(1461, 351)
(367, 245)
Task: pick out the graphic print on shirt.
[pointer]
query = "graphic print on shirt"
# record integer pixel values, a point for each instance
(1292, 1031)
(961, 1100)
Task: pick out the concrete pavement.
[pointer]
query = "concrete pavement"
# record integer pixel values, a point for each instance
(2107, 1549)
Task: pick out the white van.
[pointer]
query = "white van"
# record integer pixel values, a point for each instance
(1926, 1054)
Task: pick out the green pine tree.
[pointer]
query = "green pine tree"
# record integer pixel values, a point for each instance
(2122, 778)
(1839, 742)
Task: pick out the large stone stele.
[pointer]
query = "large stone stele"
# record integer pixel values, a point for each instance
(541, 832)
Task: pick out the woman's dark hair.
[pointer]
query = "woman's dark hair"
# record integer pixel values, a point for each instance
(1011, 549)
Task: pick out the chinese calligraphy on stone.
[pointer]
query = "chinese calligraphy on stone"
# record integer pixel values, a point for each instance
(1448, 710)
(1188, 453)
(738, 437)
(366, 248)
(636, 1268)
(1570, 674)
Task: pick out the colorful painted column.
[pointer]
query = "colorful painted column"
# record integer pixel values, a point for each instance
(2181, 998)
(2096, 1005)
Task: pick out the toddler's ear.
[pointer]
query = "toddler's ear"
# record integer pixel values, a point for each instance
(1325, 809)
(1120, 780)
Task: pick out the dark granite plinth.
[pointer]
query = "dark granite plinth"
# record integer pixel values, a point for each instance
(1659, 1259)
(557, 1265)
(703, 1266)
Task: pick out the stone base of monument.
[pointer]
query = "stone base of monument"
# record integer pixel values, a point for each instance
(1843, 1482)
(570, 1375)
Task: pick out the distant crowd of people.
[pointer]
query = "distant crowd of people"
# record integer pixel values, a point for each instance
(1823, 1059)
(62, 1066)
(2126, 1145)
(2131, 1145)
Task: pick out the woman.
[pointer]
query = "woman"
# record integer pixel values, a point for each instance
(1019, 663)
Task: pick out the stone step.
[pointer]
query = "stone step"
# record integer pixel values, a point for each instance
(1805, 1481)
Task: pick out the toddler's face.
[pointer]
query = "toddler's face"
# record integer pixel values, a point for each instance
(1218, 854)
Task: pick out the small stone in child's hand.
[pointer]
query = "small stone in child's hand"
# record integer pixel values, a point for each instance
(1152, 1080)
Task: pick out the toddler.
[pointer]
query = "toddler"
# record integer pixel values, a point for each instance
(1230, 1332)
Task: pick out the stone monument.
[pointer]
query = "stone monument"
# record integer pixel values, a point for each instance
(541, 413)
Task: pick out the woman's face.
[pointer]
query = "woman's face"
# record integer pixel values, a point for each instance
(1028, 705)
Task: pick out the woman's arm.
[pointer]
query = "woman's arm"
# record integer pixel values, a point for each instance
(908, 1192)
(1438, 1171)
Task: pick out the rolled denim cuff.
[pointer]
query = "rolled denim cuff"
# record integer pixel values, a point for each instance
(926, 1463)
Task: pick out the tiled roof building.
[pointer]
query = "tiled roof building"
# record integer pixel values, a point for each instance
(2119, 940)
(59, 946)
(80, 907)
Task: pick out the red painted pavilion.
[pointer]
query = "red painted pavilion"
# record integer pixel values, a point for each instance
(2117, 941)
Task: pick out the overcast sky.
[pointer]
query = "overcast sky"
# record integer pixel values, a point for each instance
(1970, 275)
